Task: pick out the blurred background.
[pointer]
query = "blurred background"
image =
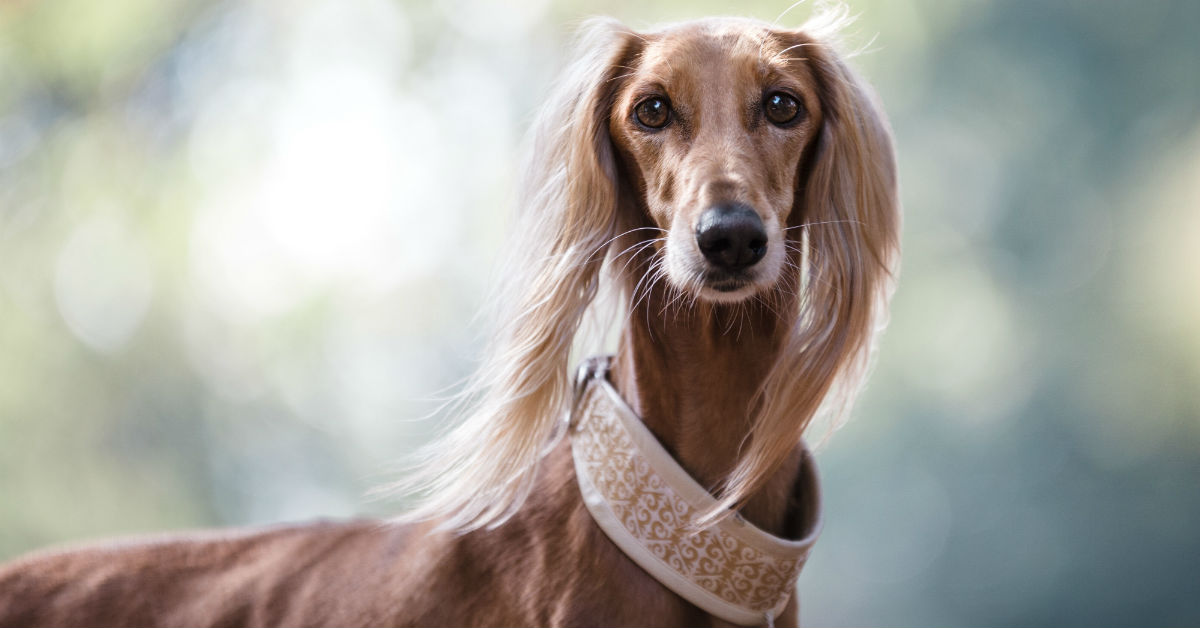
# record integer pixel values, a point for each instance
(241, 245)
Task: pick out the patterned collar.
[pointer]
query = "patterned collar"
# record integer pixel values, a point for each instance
(643, 500)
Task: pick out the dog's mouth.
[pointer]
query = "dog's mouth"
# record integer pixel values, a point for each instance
(725, 282)
(721, 286)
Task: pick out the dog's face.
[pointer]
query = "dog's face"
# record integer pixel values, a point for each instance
(711, 123)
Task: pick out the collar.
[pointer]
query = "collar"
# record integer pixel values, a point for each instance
(644, 501)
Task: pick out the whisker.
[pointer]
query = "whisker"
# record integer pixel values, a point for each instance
(825, 222)
(658, 274)
(620, 235)
(633, 257)
(633, 71)
(681, 297)
(775, 22)
(791, 59)
(766, 304)
(620, 76)
(865, 48)
(675, 297)
(651, 275)
(640, 246)
(785, 50)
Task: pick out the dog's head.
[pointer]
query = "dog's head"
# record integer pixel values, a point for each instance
(739, 140)
(712, 123)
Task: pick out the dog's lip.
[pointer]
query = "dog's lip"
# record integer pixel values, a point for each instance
(728, 286)
(725, 282)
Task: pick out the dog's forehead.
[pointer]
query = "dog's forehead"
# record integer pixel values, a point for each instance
(707, 50)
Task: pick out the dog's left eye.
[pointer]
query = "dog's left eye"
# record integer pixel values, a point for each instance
(653, 113)
(781, 108)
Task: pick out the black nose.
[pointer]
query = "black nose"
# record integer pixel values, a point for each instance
(731, 236)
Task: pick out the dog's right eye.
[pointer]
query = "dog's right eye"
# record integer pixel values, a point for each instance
(653, 113)
(782, 109)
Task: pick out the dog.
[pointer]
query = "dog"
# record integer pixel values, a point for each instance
(734, 184)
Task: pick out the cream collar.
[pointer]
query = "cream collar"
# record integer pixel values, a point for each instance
(644, 500)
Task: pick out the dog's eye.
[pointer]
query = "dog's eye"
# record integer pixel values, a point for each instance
(653, 113)
(781, 109)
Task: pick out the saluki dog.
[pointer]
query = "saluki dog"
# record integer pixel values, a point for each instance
(731, 186)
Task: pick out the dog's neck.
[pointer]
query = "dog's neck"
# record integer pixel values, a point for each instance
(692, 373)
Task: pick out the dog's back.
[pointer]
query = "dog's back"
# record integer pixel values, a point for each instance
(281, 576)
(548, 565)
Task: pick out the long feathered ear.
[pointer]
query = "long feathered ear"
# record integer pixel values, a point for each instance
(850, 208)
(481, 471)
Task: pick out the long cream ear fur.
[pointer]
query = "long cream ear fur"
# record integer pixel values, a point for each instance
(851, 207)
(481, 470)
